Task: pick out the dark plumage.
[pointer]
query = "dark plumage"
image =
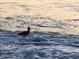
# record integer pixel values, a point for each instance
(8, 18)
(25, 33)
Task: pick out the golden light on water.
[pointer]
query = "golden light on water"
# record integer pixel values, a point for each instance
(64, 9)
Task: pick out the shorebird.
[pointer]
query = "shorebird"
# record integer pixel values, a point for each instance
(25, 33)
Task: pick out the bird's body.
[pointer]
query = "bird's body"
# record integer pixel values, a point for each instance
(25, 33)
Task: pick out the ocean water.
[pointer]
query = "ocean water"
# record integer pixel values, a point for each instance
(49, 38)
(54, 29)
(64, 9)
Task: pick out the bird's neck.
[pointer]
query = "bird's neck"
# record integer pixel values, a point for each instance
(29, 30)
